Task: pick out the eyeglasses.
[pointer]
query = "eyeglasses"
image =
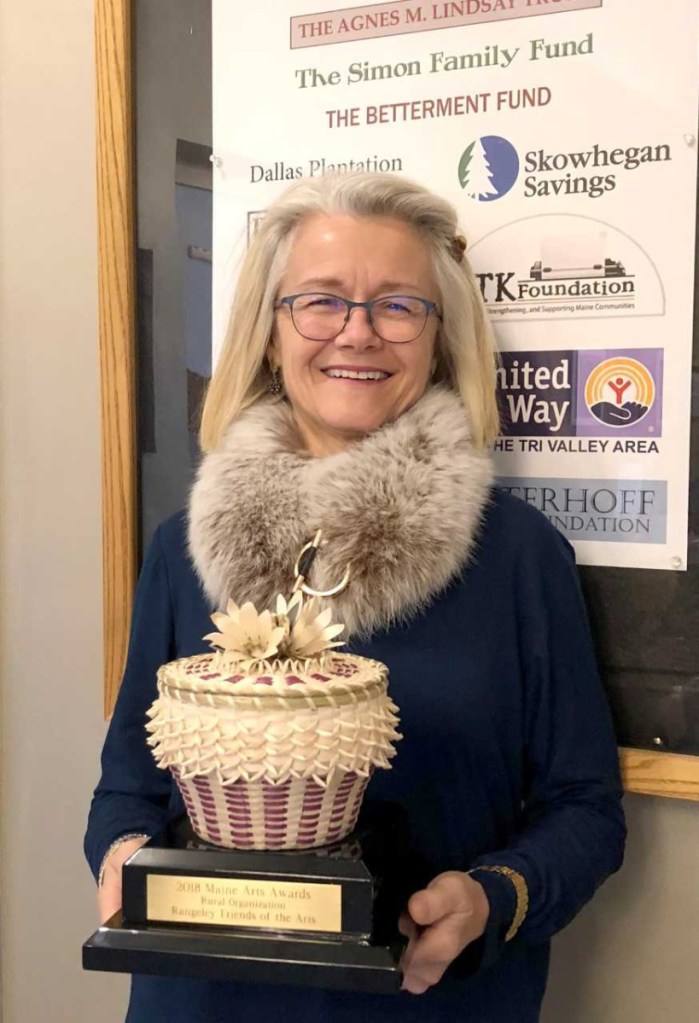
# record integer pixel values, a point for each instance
(395, 318)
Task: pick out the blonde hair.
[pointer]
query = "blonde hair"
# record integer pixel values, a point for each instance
(466, 358)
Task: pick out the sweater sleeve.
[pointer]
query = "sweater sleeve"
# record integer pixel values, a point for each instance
(573, 831)
(133, 793)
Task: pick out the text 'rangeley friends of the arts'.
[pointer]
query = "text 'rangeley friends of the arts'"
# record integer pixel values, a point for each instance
(237, 903)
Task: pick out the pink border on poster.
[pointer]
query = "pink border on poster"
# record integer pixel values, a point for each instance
(399, 17)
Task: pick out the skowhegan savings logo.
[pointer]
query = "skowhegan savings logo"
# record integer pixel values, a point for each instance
(488, 168)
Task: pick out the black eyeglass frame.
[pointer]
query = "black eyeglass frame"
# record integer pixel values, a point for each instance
(430, 307)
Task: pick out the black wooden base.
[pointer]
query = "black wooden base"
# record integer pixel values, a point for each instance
(370, 868)
(221, 955)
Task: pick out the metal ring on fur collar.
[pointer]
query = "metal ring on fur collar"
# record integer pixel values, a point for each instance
(303, 566)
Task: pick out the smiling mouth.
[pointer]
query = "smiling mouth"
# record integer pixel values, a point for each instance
(351, 374)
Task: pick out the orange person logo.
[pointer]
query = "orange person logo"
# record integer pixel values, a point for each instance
(619, 391)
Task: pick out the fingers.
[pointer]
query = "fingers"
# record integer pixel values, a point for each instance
(109, 892)
(443, 895)
(450, 913)
(409, 929)
(109, 898)
(432, 952)
(407, 926)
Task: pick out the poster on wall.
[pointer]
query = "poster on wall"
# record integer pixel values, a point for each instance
(564, 132)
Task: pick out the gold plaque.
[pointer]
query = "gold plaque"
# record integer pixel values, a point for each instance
(233, 902)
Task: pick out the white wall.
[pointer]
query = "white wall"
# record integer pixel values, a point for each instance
(50, 591)
(631, 957)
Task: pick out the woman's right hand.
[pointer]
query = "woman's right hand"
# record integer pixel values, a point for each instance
(109, 892)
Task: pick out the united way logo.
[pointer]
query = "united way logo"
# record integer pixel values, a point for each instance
(488, 168)
(620, 393)
(602, 393)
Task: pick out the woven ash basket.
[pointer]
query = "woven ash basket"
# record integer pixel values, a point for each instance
(296, 814)
(210, 739)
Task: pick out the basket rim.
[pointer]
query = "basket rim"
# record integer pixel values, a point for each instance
(174, 675)
(220, 694)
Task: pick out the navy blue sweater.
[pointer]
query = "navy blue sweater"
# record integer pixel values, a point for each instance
(508, 758)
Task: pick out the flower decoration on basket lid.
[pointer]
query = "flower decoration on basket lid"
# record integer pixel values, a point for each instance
(298, 631)
(273, 736)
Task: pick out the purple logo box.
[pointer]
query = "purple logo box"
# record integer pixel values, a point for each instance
(620, 392)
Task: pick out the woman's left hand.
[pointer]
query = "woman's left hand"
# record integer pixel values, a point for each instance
(441, 920)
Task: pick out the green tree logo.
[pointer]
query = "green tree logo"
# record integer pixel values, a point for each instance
(488, 168)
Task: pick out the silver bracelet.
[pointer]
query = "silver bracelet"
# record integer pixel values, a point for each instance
(113, 848)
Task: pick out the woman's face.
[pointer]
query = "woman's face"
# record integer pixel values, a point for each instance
(357, 259)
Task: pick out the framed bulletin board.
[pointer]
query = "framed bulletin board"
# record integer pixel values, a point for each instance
(154, 165)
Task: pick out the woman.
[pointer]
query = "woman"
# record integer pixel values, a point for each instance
(355, 393)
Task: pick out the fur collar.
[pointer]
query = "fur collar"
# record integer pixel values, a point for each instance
(403, 506)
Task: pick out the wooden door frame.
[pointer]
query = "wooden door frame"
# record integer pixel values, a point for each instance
(117, 329)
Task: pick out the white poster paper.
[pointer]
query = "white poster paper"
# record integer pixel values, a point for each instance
(564, 133)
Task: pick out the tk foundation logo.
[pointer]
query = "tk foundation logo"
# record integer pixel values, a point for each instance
(583, 394)
(567, 266)
(582, 285)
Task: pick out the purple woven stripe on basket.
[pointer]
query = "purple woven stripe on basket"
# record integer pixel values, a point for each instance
(310, 812)
(276, 810)
(212, 825)
(190, 805)
(323, 819)
(333, 827)
(239, 814)
(339, 806)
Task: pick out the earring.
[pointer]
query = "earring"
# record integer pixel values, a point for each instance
(275, 384)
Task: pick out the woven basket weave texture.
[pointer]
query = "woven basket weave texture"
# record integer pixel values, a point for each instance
(296, 814)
